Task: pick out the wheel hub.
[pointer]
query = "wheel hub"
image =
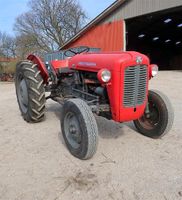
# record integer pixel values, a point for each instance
(23, 94)
(72, 130)
(150, 119)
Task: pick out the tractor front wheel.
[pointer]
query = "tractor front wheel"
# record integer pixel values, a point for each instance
(79, 129)
(158, 121)
(30, 91)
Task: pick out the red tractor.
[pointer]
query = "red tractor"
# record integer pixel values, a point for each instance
(109, 84)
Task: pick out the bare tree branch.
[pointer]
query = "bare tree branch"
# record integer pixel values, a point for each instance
(7, 45)
(51, 22)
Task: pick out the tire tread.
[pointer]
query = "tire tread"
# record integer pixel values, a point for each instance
(90, 125)
(36, 91)
(168, 117)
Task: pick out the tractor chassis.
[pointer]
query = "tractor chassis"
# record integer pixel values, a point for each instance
(91, 100)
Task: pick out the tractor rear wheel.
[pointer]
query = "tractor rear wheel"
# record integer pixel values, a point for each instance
(30, 91)
(159, 120)
(79, 129)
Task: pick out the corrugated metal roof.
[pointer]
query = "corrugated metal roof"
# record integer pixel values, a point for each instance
(133, 8)
(95, 21)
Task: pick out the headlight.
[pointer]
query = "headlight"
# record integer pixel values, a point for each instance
(104, 75)
(155, 70)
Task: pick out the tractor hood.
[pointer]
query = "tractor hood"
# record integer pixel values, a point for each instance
(93, 62)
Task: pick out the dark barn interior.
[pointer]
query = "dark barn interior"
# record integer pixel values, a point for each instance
(158, 35)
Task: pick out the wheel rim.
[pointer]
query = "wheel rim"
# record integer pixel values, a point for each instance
(72, 130)
(22, 94)
(151, 120)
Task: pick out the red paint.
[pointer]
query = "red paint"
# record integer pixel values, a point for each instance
(99, 76)
(108, 37)
(41, 66)
(116, 62)
(150, 70)
(56, 64)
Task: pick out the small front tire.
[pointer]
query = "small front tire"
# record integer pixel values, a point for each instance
(79, 129)
(159, 120)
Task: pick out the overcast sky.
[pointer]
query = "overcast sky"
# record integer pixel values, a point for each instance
(10, 9)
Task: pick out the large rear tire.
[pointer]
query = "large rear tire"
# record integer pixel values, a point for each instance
(79, 129)
(30, 91)
(159, 120)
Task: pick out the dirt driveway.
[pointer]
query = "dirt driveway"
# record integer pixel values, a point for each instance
(35, 164)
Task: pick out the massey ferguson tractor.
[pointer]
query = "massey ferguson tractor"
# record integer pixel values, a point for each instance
(109, 84)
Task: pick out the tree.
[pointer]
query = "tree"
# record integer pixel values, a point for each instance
(26, 44)
(2, 39)
(51, 22)
(10, 46)
(7, 45)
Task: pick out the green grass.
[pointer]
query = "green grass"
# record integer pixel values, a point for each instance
(8, 68)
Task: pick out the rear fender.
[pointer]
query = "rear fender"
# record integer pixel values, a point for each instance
(41, 66)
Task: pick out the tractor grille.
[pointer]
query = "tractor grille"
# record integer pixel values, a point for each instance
(135, 85)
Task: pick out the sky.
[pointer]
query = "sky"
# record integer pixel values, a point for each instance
(10, 9)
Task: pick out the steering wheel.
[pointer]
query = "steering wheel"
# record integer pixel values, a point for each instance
(76, 50)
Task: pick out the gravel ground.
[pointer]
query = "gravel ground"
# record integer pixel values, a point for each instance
(36, 165)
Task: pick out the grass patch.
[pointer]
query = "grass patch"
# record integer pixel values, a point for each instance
(8, 68)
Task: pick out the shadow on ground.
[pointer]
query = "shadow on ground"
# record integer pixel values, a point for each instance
(107, 128)
(55, 108)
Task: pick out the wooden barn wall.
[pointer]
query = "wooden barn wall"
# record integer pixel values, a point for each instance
(108, 37)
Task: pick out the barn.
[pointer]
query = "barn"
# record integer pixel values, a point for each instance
(153, 27)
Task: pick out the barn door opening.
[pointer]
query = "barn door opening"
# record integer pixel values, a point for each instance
(158, 35)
